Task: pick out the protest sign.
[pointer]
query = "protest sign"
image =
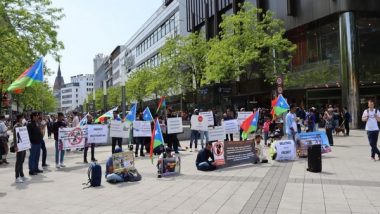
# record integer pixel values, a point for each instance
(198, 122)
(123, 161)
(231, 126)
(171, 165)
(174, 125)
(307, 139)
(119, 129)
(97, 133)
(72, 138)
(216, 133)
(285, 150)
(242, 115)
(22, 139)
(238, 152)
(218, 151)
(142, 129)
(209, 116)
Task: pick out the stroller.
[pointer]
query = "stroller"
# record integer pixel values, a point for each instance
(168, 163)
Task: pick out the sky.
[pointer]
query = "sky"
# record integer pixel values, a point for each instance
(95, 26)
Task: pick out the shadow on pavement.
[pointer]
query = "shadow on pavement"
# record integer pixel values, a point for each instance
(3, 194)
(34, 179)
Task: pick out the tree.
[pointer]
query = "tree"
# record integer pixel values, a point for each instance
(245, 39)
(38, 97)
(137, 85)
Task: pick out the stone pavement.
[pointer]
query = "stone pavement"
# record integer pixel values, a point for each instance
(349, 183)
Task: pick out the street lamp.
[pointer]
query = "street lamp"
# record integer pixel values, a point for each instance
(93, 101)
(105, 95)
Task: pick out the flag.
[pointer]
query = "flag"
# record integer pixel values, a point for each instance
(83, 121)
(33, 74)
(161, 104)
(280, 106)
(147, 116)
(108, 114)
(131, 116)
(272, 105)
(157, 138)
(250, 124)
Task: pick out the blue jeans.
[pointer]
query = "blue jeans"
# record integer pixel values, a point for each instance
(57, 153)
(330, 136)
(204, 134)
(194, 137)
(372, 138)
(266, 137)
(34, 157)
(113, 178)
(205, 166)
(290, 136)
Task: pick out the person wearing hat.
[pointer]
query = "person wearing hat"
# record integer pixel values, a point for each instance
(328, 117)
(291, 124)
(35, 137)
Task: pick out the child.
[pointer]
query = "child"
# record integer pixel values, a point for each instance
(259, 150)
(267, 124)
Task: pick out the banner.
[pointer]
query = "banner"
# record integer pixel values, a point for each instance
(142, 129)
(198, 122)
(123, 161)
(174, 125)
(216, 133)
(72, 138)
(22, 136)
(231, 126)
(238, 152)
(242, 115)
(209, 116)
(306, 139)
(286, 150)
(119, 129)
(97, 133)
(218, 151)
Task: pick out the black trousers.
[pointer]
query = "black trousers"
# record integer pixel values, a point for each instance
(231, 137)
(44, 152)
(347, 127)
(140, 143)
(92, 145)
(115, 140)
(20, 157)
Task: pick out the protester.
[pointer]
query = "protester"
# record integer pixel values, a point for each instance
(50, 123)
(3, 141)
(372, 116)
(172, 138)
(59, 151)
(139, 141)
(75, 122)
(205, 159)
(35, 137)
(111, 175)
(42, 125)
(117, 140)
(194, 135)
(92, 145)
(20, 155)
(347, 121)
(164, 159)
(291, 124)
(310, 118)
(229, 116)
(317, 119)
(260, 150)
(273, 147)
(300, 116)
(266, 129)
(328, 117)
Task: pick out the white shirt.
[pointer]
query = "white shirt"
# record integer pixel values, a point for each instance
(291, 122)
(371, 124)
(76, 121)
(3, 128)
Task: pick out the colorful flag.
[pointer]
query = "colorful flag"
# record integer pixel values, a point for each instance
(147, 116)
(250, 124)
(161, 104)
(33, 74)
(108, 114)
(280, 106)
(157, 138)
(83, 121)
(131, 116)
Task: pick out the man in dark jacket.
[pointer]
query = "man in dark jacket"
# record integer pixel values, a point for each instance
(58, 145)
(35, 137)
(205, 159)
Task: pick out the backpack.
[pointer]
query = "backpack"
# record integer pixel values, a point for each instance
(378, 123)
(133, 175)
(94, 174)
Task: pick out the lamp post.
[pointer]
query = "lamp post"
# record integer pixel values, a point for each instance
(93, 101)
(105, 95)
(123, 107)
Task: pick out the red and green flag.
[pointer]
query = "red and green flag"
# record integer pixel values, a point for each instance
(279, 105)
(161, 104)
(33, 74)
(157, 138)
(250, 124)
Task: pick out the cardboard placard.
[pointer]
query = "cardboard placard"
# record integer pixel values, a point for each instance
(119, 129)
(73, 138)
(216, 133)
(286, 150)
(209, 117)
(142, 129)
(310, 138)
(218, 151)
(97, 133)
(199, 122)
(231, 126)
(22, 139)
(174, 125)
(242, 115)
(123, 161)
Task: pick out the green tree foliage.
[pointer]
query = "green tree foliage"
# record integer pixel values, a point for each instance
(247, 40)
(38, 97)
(138, 83)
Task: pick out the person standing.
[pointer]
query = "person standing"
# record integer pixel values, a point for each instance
(59, 151)
(35, 137)
(173, 137)
(229, 116)
(347, 120)
(3, 141)
(194, 134)
(371, 116)
(50, 122)
(20, 155)
(117, 140)
(42, 125)
(75, 122)
(317, 119)
(291, 124)
(310, 120)
(139, 140)
(92, 145)
(329, 124)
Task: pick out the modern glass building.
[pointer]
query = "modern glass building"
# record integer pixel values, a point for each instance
(338, 51)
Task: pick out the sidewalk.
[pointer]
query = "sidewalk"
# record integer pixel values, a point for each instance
(349, 183)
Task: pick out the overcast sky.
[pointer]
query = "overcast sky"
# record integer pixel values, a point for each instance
(96, 26)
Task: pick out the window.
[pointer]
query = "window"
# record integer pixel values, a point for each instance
(76, 90)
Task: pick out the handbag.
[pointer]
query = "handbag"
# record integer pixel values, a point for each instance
(12, 149)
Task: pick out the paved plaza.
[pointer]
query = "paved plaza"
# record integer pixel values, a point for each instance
(349, 183)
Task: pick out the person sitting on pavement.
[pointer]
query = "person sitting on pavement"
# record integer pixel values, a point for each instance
(272, 147)
(111, 175)
(259, 150)
(205, 159)
(168, 160)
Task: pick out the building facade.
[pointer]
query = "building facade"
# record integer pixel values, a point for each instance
(58, 85)
(74, 94)
(338, 49)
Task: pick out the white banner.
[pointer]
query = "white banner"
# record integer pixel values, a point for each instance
(142, 129)
(72, 138)
(218, 151)
(175, 125)
(286, 150)
(231, 126)
(198, 122)
(209, 116)
(216, 133)
(119, 129)
(242, 115)
(22, 139)
(97, 134)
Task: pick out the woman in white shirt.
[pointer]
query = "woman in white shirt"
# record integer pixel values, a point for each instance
(371, 116)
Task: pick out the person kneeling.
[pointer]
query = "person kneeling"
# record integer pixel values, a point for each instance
(111, 175)
(166, 162)
(205, 159)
